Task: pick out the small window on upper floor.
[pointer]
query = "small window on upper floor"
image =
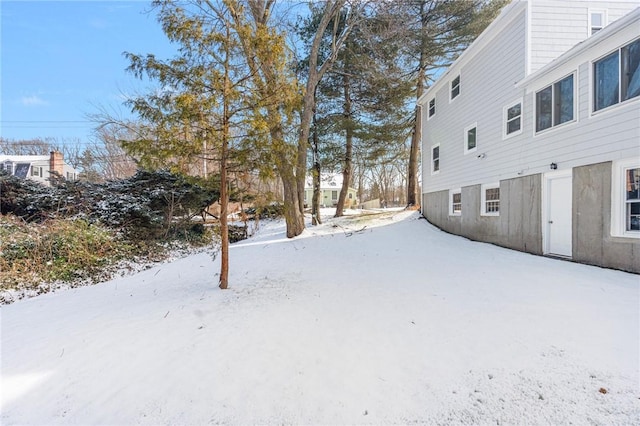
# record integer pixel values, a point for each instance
(597, 20)
(432, 108)
(455, 87)
(435, 159)
(471, 138)
(513, 119)
(616, 77)
(36, 171)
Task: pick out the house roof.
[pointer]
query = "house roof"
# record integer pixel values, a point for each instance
(327, 181)
(23, 158)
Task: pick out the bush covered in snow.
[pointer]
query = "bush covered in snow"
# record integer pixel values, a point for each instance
(72, 231)
(149, 205)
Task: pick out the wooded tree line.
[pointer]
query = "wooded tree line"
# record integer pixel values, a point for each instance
(287, 91)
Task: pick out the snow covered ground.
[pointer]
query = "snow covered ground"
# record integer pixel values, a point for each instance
(376, 319)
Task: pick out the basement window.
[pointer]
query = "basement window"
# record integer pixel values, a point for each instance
(490, 200)
(625, 202)
(455, 202)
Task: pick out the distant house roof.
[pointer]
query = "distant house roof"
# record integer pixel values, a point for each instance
(327, 181)
(23, 158)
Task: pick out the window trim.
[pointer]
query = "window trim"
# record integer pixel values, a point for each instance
(429, 115)
(468, 150)
(452, 192)
(505, 122)
(553, 126)
(459, 86)
(592, 81)
(483, 199)
(605, 20)
(618, 198)
(435, 172)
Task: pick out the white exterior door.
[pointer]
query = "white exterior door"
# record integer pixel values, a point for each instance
(557, 225)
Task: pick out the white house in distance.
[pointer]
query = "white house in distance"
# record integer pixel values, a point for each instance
(38, 167)
(531, 139)
(330, 186)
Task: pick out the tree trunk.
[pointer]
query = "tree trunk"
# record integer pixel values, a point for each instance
(414, 152)
(346, 172)
(224, 194)
(316, 178)
(292, 212)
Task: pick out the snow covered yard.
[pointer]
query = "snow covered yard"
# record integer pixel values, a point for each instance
(395, 322)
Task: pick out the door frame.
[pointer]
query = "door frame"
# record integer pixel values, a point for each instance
(546, 208)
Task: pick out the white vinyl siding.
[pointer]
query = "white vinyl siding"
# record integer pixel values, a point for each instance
(556, 28)
(486, 73)
(490, 77)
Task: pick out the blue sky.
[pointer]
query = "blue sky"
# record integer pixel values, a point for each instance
(62, 60)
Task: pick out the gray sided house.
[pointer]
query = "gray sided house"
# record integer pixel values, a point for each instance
(531, 139)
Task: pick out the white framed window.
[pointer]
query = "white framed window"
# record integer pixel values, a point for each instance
(616, 77)
(432, 108)
(625, 198)
(512, 118)
(555, 104)
(36, 171)
(597, 20)
(455, 88)
(334, 195)
(490, 199)
(435, 159)
(470, 138)
(455, 202)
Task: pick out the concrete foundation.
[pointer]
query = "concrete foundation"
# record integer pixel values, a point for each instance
(519, 225)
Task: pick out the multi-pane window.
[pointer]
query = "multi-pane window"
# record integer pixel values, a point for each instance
(334, 195)
(513, 119)
(632, 199)
(435, 159)
(554, 104)
(36, 171)
(492, 200)
(455, 87)
(616, 77)
(597, 21)
(470, 138)
(456, 203)
(432, 107)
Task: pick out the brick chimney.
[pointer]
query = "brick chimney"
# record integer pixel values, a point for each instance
(56, 163)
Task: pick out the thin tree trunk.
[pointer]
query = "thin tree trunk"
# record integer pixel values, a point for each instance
(316, 177)
(224, 195)
(346, 172)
